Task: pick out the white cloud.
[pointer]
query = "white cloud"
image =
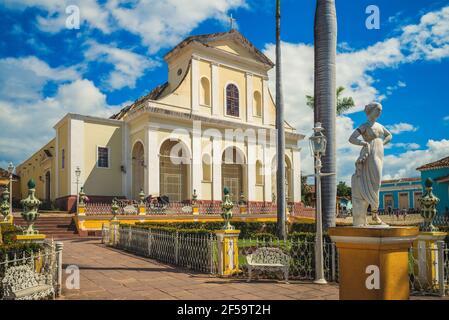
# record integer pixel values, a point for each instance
(54, 19)
(24, 78)
(446, 118)
(405, 164)
(128, 66)
(158, 23)
(398, 128)
(354, 72)
(407, 146)
(30, 117)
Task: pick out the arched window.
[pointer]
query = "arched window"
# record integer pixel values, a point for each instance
(207, 168)
(259, 173)
(232, 100)
(205, 92)
(257, 104)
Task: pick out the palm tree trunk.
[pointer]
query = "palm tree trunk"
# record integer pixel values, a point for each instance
(280, 175)
(325, 99)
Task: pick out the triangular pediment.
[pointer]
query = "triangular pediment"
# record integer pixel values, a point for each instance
(232, 42)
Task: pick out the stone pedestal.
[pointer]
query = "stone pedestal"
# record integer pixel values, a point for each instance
(228, 252)
(28, 238)
(114, 234)
(195, 209)
(142, 210)
(374, 261)
(425, 251)
(8, 220)
(243, 208)
(81, 209)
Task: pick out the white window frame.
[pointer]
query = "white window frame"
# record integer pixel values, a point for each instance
(225, 109)
(109, 157)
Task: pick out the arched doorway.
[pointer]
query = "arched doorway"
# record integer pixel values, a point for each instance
(138, 169)
(174, 161)
(233, 171)
(47, 186)
(288, 178)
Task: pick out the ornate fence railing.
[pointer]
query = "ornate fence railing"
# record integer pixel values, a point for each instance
(302, 257)
(429, 269)
(44, 264)
(129, 207)
(195, 251)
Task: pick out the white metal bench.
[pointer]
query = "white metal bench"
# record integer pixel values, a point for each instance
(23, 283)
(268, 259)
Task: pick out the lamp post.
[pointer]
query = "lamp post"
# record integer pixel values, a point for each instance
(77, 175)
(318, 143)
(10, 171)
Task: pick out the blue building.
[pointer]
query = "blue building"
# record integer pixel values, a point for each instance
(438, 171)
(400, 194)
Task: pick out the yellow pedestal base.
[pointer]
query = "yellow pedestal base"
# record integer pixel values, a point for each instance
(142, 210)
(195, 210)
(425, 251)
(228, 252)
(373, 262)
(30, 237)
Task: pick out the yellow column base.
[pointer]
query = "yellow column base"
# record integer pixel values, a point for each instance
(142, 210)
(228, 252)
(243, 209)
(195, 209)
(373, 262)
(30, 237)
(426, 253)
(81, 210)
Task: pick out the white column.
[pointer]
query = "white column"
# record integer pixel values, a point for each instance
(216, 170)
(56, 166)
(76, 147)
(296, 174)
(196, 163)
(265, 103)
(215, 90)
(126, 161)
(251, 171)
(267, 173)
(195, 84)
(152, 162)
(249, 97)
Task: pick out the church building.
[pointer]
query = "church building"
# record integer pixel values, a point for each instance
(211, 125)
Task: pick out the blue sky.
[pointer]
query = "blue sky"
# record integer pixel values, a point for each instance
(47, 70)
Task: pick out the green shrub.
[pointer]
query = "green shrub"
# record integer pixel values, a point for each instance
(8, 232)
(264, 236)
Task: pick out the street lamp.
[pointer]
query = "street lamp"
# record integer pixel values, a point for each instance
(318, 144)
(11, 169)
(77, 175)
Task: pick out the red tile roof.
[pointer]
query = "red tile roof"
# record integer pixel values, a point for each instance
(442, 163)
(401, 180)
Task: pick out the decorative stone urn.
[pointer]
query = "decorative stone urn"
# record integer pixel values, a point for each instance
(428, 207)
(227, 206)
(114, 209)
(4, 206)
(30, 209)
(82, 196)
(141, 197)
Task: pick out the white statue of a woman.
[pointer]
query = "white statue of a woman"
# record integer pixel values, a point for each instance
(365, 182)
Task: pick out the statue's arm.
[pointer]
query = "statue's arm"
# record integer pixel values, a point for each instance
(354, 139)
(387, 136)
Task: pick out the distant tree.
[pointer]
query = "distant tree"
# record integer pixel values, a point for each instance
(306, 192)
(343, 190)
(343, 103)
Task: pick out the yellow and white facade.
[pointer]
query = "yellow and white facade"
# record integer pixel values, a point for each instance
(212, 124)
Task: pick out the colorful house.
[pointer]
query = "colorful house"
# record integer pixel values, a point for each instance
(400, 194)
(438, 171)
(212, 124)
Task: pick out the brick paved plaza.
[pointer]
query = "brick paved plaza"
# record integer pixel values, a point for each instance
(111, 274)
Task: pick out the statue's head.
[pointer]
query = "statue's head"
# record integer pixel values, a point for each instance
(373, 110)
